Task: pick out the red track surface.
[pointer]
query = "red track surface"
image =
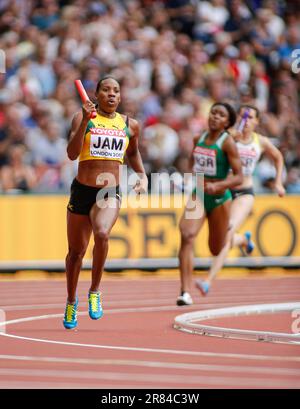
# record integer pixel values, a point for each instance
(134, 344)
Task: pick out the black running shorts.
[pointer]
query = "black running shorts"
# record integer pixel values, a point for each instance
(83, 197)
(241, 192)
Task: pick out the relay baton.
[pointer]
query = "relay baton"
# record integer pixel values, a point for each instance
(243, 120)
(83, 95)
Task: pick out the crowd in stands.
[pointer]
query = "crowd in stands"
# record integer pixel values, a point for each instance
(173, 59)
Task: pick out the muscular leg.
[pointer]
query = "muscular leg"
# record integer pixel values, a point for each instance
(239, 211)
(218, 261)
(218, 222)
(189, 228)
(102, 220)
(79, 232)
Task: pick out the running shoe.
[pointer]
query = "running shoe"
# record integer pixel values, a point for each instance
(203, 286)
(95, 306)
(70, 318)
(184, 299)
(250, 245)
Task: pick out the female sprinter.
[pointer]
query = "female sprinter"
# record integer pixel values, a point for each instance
(214, 154)
(250, 146)
(101, 144)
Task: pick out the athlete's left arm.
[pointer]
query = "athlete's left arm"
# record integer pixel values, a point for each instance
(235, 177)
(134, 157)
(276, 156)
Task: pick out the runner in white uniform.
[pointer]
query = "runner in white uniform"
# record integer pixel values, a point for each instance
(251, 146)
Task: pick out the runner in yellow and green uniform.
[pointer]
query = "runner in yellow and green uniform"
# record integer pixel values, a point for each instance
(101, 145)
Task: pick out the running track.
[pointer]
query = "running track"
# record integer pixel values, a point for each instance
(134, 344)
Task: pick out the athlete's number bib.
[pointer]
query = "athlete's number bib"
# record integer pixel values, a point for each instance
(107, 143)
(205, 161)
(249, 160)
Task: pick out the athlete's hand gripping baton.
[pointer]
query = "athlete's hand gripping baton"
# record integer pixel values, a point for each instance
(83, 95)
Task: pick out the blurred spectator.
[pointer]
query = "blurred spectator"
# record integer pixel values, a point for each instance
(182, 13)
(239, 21)
(263, 42)
(161, 145)
(45, 16)
(261, 85)
(17, 176)
(24, 82)
(50, 147)
(42, 70)
(211, 17)
(291, 41)
(49, 156)
(293, 180)
(274, 23)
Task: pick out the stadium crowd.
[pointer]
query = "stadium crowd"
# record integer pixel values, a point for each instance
(173, 59)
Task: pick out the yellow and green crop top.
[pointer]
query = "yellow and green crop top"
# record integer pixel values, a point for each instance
(105, 139)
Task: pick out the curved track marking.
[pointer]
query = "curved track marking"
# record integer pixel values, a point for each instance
(124, 348)
(188, 322)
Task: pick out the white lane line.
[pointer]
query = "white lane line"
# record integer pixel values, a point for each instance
(158, 364)
(162, 351)
(157, 379)
(112, 311)
(2, 321)
(107, 311)
(124, 348)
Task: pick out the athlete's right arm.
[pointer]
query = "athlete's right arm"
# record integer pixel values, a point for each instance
(274, 153)
(78, 128)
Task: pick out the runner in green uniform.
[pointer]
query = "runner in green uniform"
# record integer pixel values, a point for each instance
(251, 146)
(213, 155)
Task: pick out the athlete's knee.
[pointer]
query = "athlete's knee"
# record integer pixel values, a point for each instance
(231, 229)
(215, 249)
(229, 238)
(75, 255)
(230, 234)
(101, 234)
(187, 236)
